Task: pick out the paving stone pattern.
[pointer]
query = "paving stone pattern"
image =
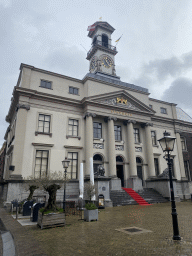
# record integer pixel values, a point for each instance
(102, 238)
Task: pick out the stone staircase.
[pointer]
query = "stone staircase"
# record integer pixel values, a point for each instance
(120, 197)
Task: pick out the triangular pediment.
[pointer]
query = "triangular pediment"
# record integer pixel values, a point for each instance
(121, 99)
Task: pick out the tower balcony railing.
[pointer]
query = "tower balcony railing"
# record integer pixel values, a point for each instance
(104, 44)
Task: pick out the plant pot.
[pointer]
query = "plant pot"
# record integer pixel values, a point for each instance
(50, 220)
(90, 215)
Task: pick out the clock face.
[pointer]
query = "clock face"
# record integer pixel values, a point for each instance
(93, 64)
(106, 62)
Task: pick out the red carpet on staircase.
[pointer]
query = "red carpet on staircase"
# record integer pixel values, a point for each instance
(136, 196)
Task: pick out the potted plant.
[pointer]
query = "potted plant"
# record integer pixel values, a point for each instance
(91, 210)
(51, 215)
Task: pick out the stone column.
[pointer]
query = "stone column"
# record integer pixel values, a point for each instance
(88, 141)
(111, 147)
(180, 156)
(19, 143)
(131, 149)
(149, 149)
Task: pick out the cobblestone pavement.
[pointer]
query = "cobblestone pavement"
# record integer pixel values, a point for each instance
(103, 238)
(25, 243)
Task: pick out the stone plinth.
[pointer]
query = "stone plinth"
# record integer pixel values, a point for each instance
(135, 183)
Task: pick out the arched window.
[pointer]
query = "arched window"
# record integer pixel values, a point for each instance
(138, 160)
(105, 41)
(97, 160)
(94, 41)
(119, 159)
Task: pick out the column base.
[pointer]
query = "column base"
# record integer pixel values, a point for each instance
(135, 183)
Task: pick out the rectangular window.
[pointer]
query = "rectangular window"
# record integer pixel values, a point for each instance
(44, 123)
(41, 163)
(153, 137)
(73, 165)
(97, 130)
(136, 135)
(187, 172)
(73, 127)
(73, 90)
(117, 130)
(45, 84)
(156, 162)
(163, 110)
(183, 143)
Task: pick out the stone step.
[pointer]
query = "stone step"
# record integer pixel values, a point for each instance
(120, 197)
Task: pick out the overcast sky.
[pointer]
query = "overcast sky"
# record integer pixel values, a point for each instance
(155, 50)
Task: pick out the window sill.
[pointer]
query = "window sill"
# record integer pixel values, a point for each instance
(138, 143)
(46, 88)
(71, 136)
(43, 133)
(156, 146)
(97, 139)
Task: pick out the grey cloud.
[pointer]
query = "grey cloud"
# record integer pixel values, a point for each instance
(68, 61)
(180, 92)
(159, 70)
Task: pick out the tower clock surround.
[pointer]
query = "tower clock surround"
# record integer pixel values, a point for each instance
(102, 53)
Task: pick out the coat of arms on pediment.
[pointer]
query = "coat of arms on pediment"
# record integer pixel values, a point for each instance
(120, 101)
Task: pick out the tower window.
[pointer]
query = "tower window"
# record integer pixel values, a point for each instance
(105, 41)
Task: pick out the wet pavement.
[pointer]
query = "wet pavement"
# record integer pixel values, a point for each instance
(110, 235)
(105, 237)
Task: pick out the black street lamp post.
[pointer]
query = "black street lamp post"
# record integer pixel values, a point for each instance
(65, 166)
(167, 145)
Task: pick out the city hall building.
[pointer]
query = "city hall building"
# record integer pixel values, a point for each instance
(53, 116)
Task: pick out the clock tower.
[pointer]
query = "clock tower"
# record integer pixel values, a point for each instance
(102, 53)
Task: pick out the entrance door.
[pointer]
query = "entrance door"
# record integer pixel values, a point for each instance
(139, 168)
(120, 174)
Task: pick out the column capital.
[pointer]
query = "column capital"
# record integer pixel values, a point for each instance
(89, 114)
(143, 125)
(27, 107)
(106, 119)
(129, 121)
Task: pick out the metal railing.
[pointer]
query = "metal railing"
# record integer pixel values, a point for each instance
(104, 44)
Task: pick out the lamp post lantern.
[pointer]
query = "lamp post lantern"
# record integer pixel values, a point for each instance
(167, 145)
(65, 164)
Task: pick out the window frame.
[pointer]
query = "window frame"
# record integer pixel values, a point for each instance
(44, 122)
(100, 129)
(46, 81)
(72, 125)
(136, 133)
(118, 134)
(73, 90)
(47, 164)
(154, 138)
(183, 143)
(156, 164)
(163, 110)
(187, 170)
(71, 165)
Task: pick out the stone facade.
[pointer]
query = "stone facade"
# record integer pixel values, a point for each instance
(52, 116)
